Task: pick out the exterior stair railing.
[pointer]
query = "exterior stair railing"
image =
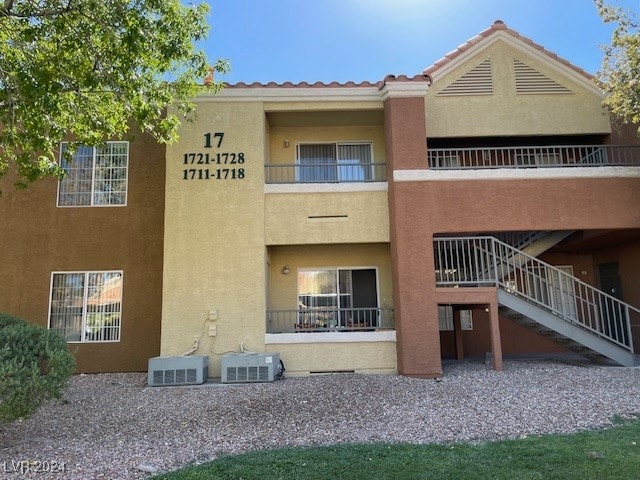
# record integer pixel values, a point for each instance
(487, 261)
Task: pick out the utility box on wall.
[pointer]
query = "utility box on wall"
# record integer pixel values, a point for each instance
(250, 367)
(187, 370)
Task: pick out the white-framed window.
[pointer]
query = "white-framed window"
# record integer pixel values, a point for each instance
(445, 318)
(334, 162)
(334, 298)
(86, 306)
(95, 176)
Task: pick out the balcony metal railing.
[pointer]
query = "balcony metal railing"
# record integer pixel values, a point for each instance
(329, 320)
(533, 157)
(326, 173)
(484, 261)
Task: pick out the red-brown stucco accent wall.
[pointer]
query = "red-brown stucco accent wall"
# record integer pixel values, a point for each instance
(420, 209)
(38, 238)
(418, 355)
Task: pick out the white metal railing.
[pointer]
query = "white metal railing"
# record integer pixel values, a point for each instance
(326, 173)
(533, 157)
(484, 261)
(329, 320)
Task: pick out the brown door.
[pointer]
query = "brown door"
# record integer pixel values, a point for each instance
(613, 317)
(610, 279)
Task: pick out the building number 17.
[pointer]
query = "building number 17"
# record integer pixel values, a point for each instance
(209, 136)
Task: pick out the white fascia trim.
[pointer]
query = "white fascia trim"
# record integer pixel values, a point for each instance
(288, 94)
(330, 337)
(404, 89)
(524, 47)
(515, 174)
(325, 187)
(464, 57)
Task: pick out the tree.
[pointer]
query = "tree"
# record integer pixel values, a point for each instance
(90, 69)
(620, 75)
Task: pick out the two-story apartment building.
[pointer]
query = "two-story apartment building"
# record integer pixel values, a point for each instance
(484, 205)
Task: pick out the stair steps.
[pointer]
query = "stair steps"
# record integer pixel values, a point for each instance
(533, 324)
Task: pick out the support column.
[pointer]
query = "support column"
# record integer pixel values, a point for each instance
(416, 311)
(494, 329)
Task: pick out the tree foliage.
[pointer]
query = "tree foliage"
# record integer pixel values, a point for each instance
(90, 69)
(620, 75)
(35, 366)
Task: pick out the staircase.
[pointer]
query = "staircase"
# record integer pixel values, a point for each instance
(541, 297)
(531, 243)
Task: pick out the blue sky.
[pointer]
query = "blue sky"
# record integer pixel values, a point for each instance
(326, 40)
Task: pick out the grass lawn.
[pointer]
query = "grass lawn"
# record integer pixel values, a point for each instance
(606, 454)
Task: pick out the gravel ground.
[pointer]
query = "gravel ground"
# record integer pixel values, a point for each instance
(113, 426)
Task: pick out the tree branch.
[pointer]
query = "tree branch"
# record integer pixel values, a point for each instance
(6, 11)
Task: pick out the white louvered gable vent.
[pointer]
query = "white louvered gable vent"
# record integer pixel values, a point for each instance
(529, 80)
(477, 81)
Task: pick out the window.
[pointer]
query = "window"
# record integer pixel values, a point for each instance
(86, 306)
(96, 176)
(445, 318)
(338, 298)
(334, 162)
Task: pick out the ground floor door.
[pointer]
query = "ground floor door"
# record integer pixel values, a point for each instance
(612, 316)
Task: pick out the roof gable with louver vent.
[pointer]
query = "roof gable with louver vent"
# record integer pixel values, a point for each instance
(503, 87)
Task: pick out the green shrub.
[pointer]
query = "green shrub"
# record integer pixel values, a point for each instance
(6, 320)
(35, 366)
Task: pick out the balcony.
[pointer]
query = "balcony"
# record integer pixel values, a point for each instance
(334, 172)
(533, 157)
(329, 320)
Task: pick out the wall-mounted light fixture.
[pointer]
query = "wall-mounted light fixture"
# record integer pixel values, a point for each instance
(286, 143)
(286, 270)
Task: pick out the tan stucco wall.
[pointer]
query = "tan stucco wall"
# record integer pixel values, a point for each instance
(361, 357)
(507, 114)
(214, 238)
(363, 217)
(283, 288)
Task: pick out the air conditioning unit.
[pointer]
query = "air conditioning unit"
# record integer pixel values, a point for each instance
(188, 370)
(250, 367)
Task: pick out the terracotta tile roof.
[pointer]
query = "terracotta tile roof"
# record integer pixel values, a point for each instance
(350, 84)
(500, 26)
(300, 85)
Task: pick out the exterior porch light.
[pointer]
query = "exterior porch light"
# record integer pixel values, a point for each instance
(286, 270)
